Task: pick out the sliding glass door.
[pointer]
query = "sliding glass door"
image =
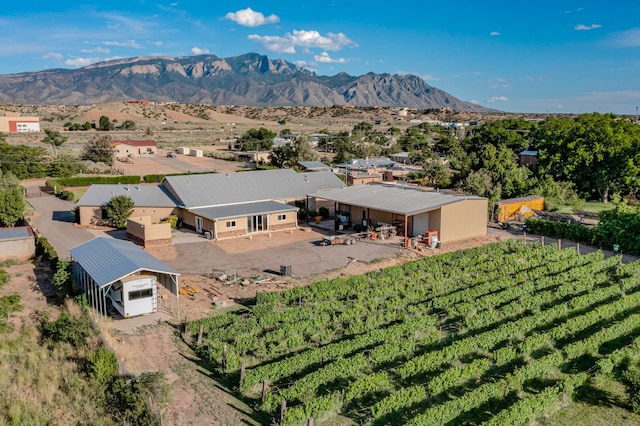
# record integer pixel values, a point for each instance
(257, 223)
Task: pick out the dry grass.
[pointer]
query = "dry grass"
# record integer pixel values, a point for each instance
(42, 385)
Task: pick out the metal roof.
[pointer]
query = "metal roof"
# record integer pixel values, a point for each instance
(322, 180)
(107, 260)
(142, 195)
(242, 210)
(532, 153)
(309, 165)
(368, 163)
(17, 233)
(208, 190)
(394, 199)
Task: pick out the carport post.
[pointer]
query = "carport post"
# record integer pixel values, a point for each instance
(406, 230)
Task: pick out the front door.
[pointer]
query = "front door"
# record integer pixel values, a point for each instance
(198, 224)
(257, 223)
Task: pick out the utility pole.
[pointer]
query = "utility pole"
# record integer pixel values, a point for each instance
(637, 115)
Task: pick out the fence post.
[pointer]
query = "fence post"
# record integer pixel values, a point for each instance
(200, 334)
(542, 241)
(283, 409)
(559, 244)
(578, 248)
(264, 391)
(242, 373)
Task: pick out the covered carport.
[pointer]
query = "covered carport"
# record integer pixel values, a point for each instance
(412, 210)
(101, 262)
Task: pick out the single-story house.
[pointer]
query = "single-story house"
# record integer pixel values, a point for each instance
(17, 243)
(19, 124)
(154, 201)
(132, 148)
(220, 206)
(103, 265)
(412, 210)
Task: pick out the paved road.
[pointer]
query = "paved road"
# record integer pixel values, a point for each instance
(56, 223)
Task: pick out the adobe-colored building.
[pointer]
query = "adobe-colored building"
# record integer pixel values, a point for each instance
(135, 148)
(19, 124)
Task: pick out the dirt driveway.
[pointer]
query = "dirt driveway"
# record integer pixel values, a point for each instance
(161, 164)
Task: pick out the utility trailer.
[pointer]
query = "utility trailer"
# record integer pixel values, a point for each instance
(135, 295)
(333, 240)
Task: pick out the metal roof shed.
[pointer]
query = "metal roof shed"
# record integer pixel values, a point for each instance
(101, 262)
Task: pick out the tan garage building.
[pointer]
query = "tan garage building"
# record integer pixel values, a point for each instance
(412, 210)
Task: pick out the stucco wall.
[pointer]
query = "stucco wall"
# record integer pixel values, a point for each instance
(143, 231)
(18, 249)
(89, 215)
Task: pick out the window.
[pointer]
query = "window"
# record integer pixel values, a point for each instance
(282, 217)
(231, 224)
(140, 294)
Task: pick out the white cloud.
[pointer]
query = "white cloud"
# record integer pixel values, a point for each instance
(474, 101)
(126, 43)
(494, 34)
(304, 39)
(325, 58)
(96, 50)
(53, 56)
(81, 62)
(158, 43)
(174, 4)
(581, 27)
(494, 99)
(630, 38)
(249, 18)
(199, 51)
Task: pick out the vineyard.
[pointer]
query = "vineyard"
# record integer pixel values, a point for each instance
(495, 335)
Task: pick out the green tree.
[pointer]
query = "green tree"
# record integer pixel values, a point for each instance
(281, 156)
(436, 171)
(23, 161)
(11, 206)
(256, 140)
(105, 124)
(55, 139)
(65, 165)
(303, 149)
(600, 153)
(119, 209)
(481, 183)
(99, 150)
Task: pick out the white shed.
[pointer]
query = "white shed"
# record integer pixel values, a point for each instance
(121, 274)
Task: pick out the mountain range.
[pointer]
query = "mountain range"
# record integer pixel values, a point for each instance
(250, 79)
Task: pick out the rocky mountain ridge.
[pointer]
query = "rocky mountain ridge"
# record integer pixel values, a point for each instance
(250, 79)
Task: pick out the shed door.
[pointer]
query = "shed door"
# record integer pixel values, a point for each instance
(420, 224)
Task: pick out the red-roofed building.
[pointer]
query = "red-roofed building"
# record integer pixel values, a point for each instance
(135, 148)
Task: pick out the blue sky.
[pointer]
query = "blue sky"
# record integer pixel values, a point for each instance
(544, 56)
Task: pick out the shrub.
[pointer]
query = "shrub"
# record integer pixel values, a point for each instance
(48, 253)
(570, 231)
(102, 365)
(4, 278)
(66, 329)
(324, 212)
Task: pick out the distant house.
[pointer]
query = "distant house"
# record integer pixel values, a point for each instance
(401, 157)
(19, 124)
(132, 148)
(312, 166)
(374, 170)
(17, 243)
(528, 158)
